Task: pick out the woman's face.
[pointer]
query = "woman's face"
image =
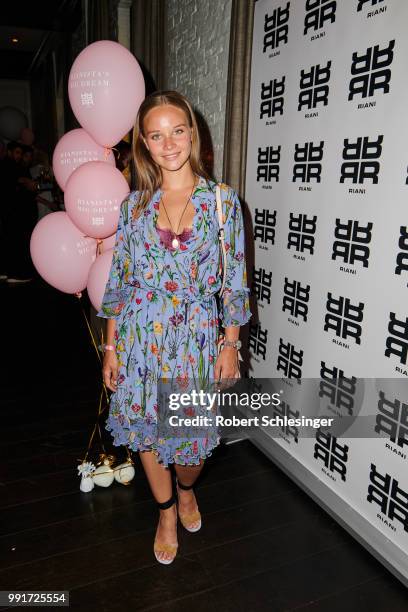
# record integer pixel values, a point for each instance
(168, 136)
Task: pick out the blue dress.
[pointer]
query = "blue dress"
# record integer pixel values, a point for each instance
(167, 316)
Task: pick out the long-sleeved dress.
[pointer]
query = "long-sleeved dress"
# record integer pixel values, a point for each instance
(167, 315)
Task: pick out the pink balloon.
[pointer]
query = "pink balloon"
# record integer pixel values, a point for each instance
(105, 89)
(93, 195)
(61, 254)
(74, 149)
(27, 136)
(98, 277)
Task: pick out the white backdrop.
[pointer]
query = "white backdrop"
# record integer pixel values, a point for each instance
(326, 184)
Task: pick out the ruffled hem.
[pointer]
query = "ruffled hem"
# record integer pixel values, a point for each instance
(144, 437)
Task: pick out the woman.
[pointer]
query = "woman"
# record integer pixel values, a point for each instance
(161, 305)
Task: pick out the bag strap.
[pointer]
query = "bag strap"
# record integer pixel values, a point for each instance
(221, 236)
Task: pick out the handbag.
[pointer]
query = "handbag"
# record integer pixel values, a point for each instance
(221, 236)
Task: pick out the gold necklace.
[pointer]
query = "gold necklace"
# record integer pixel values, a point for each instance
(175, 243)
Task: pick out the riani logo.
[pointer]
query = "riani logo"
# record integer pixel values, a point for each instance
(351, 243)
(397, 341)
(368, 4)
(290, 360)
(314, 88)
(384, 491)
(402, 257)
(308, 158)
(333, 455)
(261, 285)
(318, 12)
(295, 300)
(301, 234)
(272, 99)
(265, 227)
(361, 160)
(392, 420)
(371, 73)
(257, 341)
(338, 388)
(289, 432)
(276, 29)
(344, 318)
(268, 165)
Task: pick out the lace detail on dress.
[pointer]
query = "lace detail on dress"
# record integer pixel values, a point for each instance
(166, 236)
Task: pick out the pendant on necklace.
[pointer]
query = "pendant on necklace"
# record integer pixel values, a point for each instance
(175, 243)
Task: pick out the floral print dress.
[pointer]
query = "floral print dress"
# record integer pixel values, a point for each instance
(167, 315)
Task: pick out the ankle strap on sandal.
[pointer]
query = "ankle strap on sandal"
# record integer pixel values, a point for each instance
(168, 503)
(184, 487)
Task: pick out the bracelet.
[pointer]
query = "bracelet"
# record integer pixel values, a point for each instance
(235, 343)
(106, 347)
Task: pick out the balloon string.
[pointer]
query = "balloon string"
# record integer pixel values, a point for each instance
(96, 427)
(101, 407)
(104, 392)
(99, 247)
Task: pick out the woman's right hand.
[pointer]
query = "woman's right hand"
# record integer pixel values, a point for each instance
(110, 370)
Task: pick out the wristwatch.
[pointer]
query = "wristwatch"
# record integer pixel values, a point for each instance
(235, 343)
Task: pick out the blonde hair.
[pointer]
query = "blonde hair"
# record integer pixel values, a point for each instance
(148, 173)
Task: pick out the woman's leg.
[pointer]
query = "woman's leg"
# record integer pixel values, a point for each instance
(188, 474)
(159, 478)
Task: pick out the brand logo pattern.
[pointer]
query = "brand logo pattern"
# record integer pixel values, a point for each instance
(282, 410)
(276, 28)
(290, 360)
(397, 342)
(301, 232)
(339, 388)
(264, 225)
(333, 454)
(362, 3)
(272, 99)
(296, 298)
(344, 318)
(352, 240)
(308, 157)
(371, 71)
(384, 490)
(318, 12)
(268, 164)
(392, 419)
(261, 284)
(258, 339)
(361, 160)
(402, 257)
(314, 88)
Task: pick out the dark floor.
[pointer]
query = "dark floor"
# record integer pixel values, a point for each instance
(264, 544)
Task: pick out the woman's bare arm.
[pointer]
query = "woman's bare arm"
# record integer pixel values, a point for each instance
(110, 331)
(110, 360)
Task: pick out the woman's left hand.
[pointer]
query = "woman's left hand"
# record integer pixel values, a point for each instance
(227, 364)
